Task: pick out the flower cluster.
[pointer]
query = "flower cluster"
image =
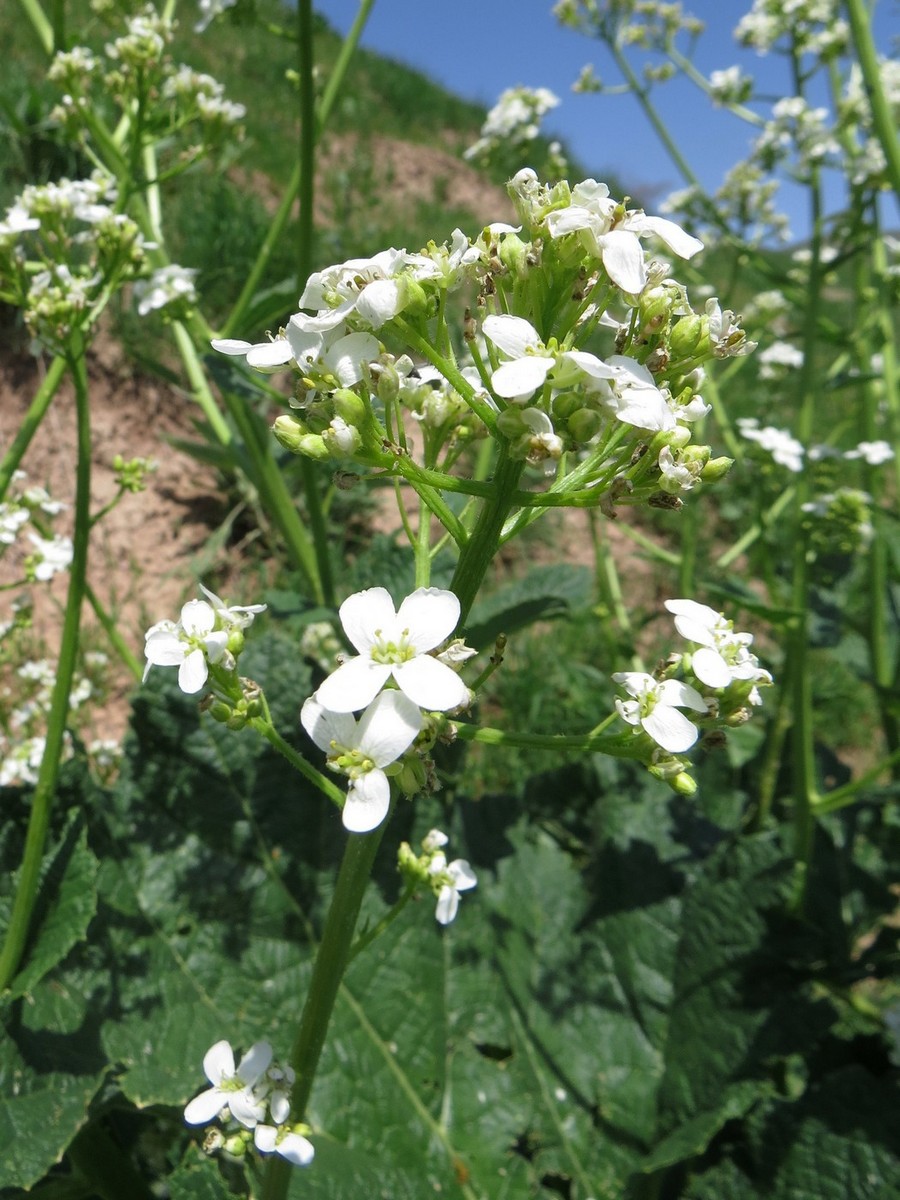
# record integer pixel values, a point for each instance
(431, 869)
(252, 1105)
(721, 677)
(513, 122)
(611, 425)
(206, 640)
(394, 647)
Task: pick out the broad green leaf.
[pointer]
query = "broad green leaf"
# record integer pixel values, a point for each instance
(544, 593)
(66, 904)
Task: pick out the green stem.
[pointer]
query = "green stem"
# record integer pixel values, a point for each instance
(844, 796)
(328, 970)
(111, 630)
(366, 939)
(623, 745)
(478, 553)
(30, 422)
(312, 490)
(39, 822)
(40, 24)
(308, 138)
(264, 726)
(882, 116)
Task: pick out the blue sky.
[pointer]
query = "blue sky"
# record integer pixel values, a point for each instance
(479, 47)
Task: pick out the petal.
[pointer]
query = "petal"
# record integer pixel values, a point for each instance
(296, 1149)
(255, 1063)
(673, 236)
(623, 258)
(670, 729)
(230, 345)
(367, 803)
(264, 1138)
(215, 645)
(520, 379)
(205, 1107)
(447, 905)
(673, 691)
(269, 356)
(197, 618)
(164, 649)
(512, 335)
(365, 613)
(218, 1062)
(462, 875)
(381, 300)
(280, 1107)
(388, 727)
(429, 615)
(306, 344)
(354, 685)
(431, 684)
(193, 672)
(711, 668)
(246, 1108)
(346, 356)
(326, 727)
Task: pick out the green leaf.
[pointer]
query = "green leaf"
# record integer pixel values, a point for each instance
(545, 593)
(67, 902)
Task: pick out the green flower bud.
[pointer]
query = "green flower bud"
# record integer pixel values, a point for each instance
(565, 404)
(685, 336)
(412, 776)
(289, 432)
(313, 446)
(716, 468)
(514, 254)
(654, 309)
(584, 424)
(349, 406)
(510, 423)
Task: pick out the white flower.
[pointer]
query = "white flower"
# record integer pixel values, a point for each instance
(449, 879)
(724, 655)
(874, 453)
(237, 616)
(54, 554)
(395, 645)
(360, 749)
(634, 398)
(655, 708)
(231, 1088)
(783, 446)
(529, 364)
(12, 518)
(164, 286)
(190, 645)
(292, 1146)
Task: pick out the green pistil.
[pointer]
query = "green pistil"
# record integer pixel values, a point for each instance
(393, 653)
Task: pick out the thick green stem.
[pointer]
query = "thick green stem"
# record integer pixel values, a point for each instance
(882, 116)
(331, 960)
(620, 745)
(39, 822)
(264, 726)
(39, 23)
(479, 551)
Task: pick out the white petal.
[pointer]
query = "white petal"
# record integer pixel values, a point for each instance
(164, 649)
(381, 300)
(255, 1063)
(193, 672)
(269, 356)
(368, 801)
(697, 612)
(388, 727)
(306, 344)
(710, 668)
(430, 615)
(264, 1138)
(230, 345)
(590, 364)
(296, 1149)
(325, 726)
(674, 691)
(215, 645)
(623, 258)
(364, 613)
(673, 235)
(645, 408)
(197, 618)
(430, 684)
(279, 1107)
(205, 1107)
(246, 1108)
(354, 685)
(346, 356)
(328, 318)
(571, 220)
(634, 682)
(462, 875)
(520, 379)
(447, 905)
(670, 729)
(218, 1062)
(512, 335)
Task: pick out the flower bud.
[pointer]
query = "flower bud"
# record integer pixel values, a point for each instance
(412, 776)
(584, 424)
(510, 423)
(716, 468)
(513, 255)
(342, 440)
(289, 432)
(313, 446)
(349, 406)
(565, 404)
(685, 336)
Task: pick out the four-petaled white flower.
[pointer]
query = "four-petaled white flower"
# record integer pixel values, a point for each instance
(231, 1088)
(361, 749)
(655, 707)
(723, 655)
(234, 616)
(395, 645)
(190, 645)
(449, 879)
(290, 1145)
